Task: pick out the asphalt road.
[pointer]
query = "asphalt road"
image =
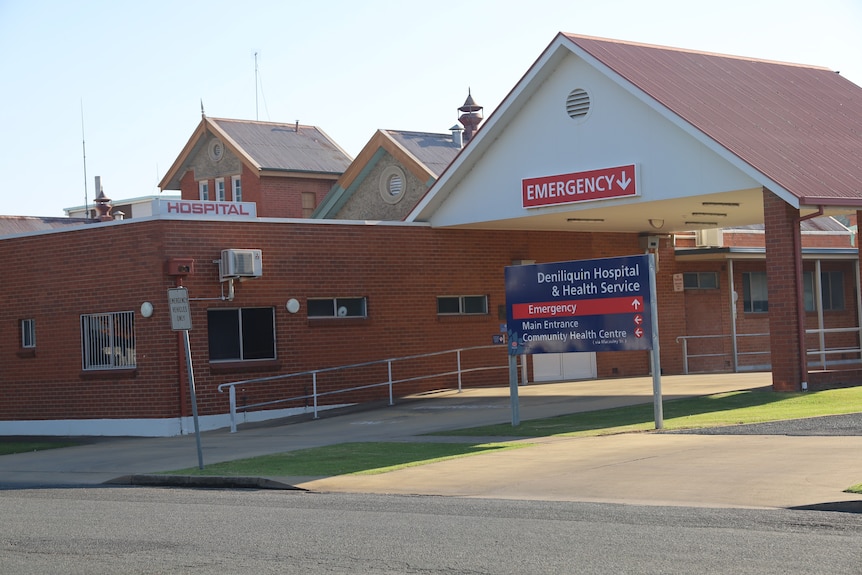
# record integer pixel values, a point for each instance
(155, 530)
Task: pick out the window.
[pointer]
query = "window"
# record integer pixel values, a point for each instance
(28, 333)
(462, 305)
(108, 340)
(754, 292)
(220, 194)
(700, 280)
(204, 190)
(241, 334)
(831, 288)
(337, 307)
(236, 188)
(309, 201)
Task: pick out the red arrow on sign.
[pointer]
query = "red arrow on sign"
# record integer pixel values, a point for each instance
(639, 332)
(639, 319)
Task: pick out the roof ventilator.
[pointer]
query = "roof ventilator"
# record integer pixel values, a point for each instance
(578, 104)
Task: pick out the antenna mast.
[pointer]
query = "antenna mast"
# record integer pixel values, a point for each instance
(84, 147)
(256, 115)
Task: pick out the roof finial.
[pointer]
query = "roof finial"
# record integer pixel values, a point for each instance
(203, 114)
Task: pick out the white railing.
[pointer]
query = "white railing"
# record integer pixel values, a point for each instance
(822, 351)
(390, 381)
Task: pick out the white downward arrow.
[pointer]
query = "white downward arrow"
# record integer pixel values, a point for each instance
(624, 183)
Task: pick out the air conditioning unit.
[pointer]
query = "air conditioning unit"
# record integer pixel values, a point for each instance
(240, 264)
(709, 238)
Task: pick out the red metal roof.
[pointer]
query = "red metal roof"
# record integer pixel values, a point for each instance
(800, 126)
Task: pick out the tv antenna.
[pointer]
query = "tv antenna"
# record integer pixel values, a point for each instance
(84, 147)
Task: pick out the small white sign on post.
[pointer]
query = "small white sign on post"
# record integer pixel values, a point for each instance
(181, 316)
(181, 320)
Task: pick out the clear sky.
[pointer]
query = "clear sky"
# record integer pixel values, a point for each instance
(125, 80)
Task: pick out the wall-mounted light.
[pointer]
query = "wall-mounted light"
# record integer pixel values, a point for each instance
(292, 305)
(656, 223)
(146, 309)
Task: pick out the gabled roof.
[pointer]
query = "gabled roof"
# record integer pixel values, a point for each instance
(423, 154)
(267, 147)
(434, 151)
(794, 129)
(801, 126)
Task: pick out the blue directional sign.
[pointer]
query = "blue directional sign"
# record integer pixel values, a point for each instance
(587, 305)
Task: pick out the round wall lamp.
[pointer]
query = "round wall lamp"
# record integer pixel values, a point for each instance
(146, 309)
(292, 305)
(656, 223)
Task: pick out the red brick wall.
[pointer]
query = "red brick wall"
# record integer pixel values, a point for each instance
(282, 197)
(276, 197)
(400, 269)
(782, 240)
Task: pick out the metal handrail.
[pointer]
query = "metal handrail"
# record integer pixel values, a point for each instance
(314, 395)
(822, 351)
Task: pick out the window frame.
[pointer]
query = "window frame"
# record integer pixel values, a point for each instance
(119, 321)
(463, 304)
(220, 190)
(236, 188)
(28, 333)
(242, 337)
(829, 289)
(204, 190)
(309, 204)
(749, 304)
(349, 304)
(698, 277)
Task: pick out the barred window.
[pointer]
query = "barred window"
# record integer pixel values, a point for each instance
(108, 340)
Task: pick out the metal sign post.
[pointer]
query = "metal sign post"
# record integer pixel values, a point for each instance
(181, 320)
(655, 363)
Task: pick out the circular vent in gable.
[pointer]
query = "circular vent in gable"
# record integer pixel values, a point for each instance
(578, 104)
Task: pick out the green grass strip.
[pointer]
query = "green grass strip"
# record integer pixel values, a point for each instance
(10, 447)
(346, 459)
(754, 406)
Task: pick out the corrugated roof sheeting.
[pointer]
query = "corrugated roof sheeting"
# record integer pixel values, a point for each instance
(800, 126)
(435, 151)
(824, 224)
(11, 225)
(287, 146)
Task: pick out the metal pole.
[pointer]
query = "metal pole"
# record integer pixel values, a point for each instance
(458, 355)
(818, 305)
(655, 358)
(391, 400)
(232, 397)
(733, 335)
(513, 390)
(194, 397)
(314, 391)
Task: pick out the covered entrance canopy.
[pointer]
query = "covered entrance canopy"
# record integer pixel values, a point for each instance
(607, 136)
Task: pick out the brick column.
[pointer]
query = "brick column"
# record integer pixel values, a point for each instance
(783, 278)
